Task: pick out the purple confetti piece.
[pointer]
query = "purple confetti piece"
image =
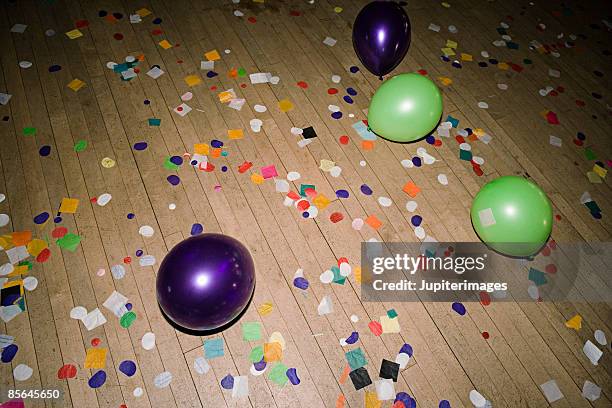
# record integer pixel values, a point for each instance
(354, 69)
(348, 99)
(406, 349)
(444, 404)
(417, 161)
(352, 339)
(342, 194)
(292, 374)
(45, 151)
(365, 189)
(351, 91)
(300, 283)
(55, 68)
(408, 401)
(178, 160)
(128, 367)
(8, 353)
(459, 308)
(416, 220)
(227, 382)
(430, 139)
(216, 143)
(98, 379)
(140, 146)
(260, 366)
(196, 229)
(139, 253)
(41, 218)
(173, 179)
(211, 74)
(336, 115)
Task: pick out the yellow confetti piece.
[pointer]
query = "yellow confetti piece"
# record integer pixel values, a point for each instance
(257, 178)
(36, 246)
(445, 4)
(321, 201)
(201, 148)
(107, 163)
(466, 57)
(447, 51)
(326, 165)
(69, 205)
(451, 44)
(273, 352)
(285, 105)
(371, 400)
(479, 132)
(96, 358)
(18, 270)
(212, 55)
(445, 81)
(338, 9)
(390, 325)
(225, 96)
(235, 134)
(600, 171)
(574, 323)
(76, 84)
(357, 273)
(192, 80)
(265, 308)
(503, 66)
(143, 12)
(73, 34)
(165, 44)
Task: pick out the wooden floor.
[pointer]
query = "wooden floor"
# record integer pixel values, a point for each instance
(529, 343)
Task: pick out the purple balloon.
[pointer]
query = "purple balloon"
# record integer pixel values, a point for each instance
(205, 281)
(381, 36)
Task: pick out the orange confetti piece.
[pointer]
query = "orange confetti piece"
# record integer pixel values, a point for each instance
(21, 238)
(345, 374)
(373, 222)
(411, 189)
(340, 401)
(273, 352)
(367, 144)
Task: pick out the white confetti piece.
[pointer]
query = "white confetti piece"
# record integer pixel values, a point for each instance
(357, 224)
(330, 41)
(443, 179)
(402, 359)
(592, 352)
(6, 340)
(385, 389)
(483, 105)
(281, 185)
(256, 125)
(385, 201)
(155, 72)
(183, 109)
(345, 269)
(296, 131)
(407, 163)
(452, 29)
(256, 373)
(146, 260)
(94, 319)
(335, 171)
(327, 277)
(172, 206)
(2, 197)
(293, 176)
(465, 146)
(326, 306)
(138, 392)
(336, 79)
(101, 272)
(274, 80)
(554, 73)
(148, 341)
(50, 33)
(419, 232)
(78, 313)
(241, 387)
(238, 13)
(25, 64)
(363, 163)
(555, 141)
(477, 399)
(333, 108)
(201, 365)
(486, 217)
(277, 337)
(118, 271)
(4, 220)
(6, 269)
(591, 391)
(503, 87)
(116, 303)
(313, 211)
(163, 380)
(187, 96)
(478, 160)
(30, 283)
(600, 337)
(551, 391)
(354, 318)
(411, 206)
(434, 27)
(260, 108)
(103, 199)
(22, 372)
(533, 292)
(146, 231)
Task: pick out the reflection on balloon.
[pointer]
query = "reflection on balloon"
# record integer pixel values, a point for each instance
(381, 36)
(512, 215)
(205, 281)
(405, 108)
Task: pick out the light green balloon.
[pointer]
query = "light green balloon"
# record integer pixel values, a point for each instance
(405, 108)
(512, 215)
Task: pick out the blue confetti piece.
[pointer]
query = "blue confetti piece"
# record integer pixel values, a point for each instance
(305, 214)
(430, 139)
(351, 91)
(178, 160)
(128, 367)
(8, 353)
(139, 253)
(213, 348)
(444, 404)
(216, 143)
(45, 151)
(354, 69)
(336, 115)
(292, 375)
(300, 283)
(352, 339)
(128, 306)
(55, 68)
(196, 229)
(416, 220)
(227, 382)
(459, 308)
(211, 74)
(57, 220)
(154, 122)
(417, 161)
(453, 121)
(41, 218)
(173, 179)
(342, 194)
(348, 99)
(365, 189)
(157, 21)
(408, 401)
(140, 146)
(98, 379)
(260, 366)
(406, 349)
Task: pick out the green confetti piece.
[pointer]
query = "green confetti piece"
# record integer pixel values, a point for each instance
(69, 242)
(392, 314)
(339, 279)
(168, 165)
(465, 155)
(256, 354)
(29, 131)
(80, 146)
(589, 154)
(304, 187)
(278, 374)
(127, 319)
(356, 358)
(251, 331)
(154, 122)
(242, 72)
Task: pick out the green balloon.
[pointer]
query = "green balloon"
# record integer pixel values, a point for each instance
(405, 108)
(512, 215)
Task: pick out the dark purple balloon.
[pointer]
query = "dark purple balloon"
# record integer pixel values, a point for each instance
(205, 281)
(381, 36)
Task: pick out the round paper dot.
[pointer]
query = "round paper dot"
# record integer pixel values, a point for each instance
(407, 163)
(336, 79)
(30, 283)
(25, 64)
(41, 218)
(354, 318)
(357, 224)
(342, 194)
(459, 308)
(260, 108)
(118, 271)
(50, 33)
(419, 232)
(172, 206)
(128, 367)
(22, 372)
(146, 231)
(148, 341)
(201, 365)
(196, 229)
(416, 220)
(600, 337)
(66, 371)
(140, 146)
(2, 197)
(107, 162)
(98, 379)
(101, 272)
(354, 69)
(55, 68)
(344, 139)
(483, 105)
(163, 380)
(442, 179)
(138, 392)
(362, 163)
(78, 312)
(44, 151)
(335, 171)
(293, 176)
(227, 382)
(8, 353)
(336, 115)
(385, 201)
(365, 189)
(173, 179)
(4, 220)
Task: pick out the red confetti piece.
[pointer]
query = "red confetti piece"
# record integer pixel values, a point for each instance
(332, 91)
(344, 139)
(578, 142)
(93, 199)
(295, 13)
(252, 20)
(422, 72)
(336, 217)
(118, 36)
(81, 23)
(375, 328)
(552, 243)
(137, 70)
(67, 371)
(551, 268)
(460, 139)
(558, 217)
(243, 85)
(554, 93)
(477, 170)
(438, 143)
(293, 195)
(560, 89)
(95, 342)
(303, 205)
(179, 61)
(485, 335)
(580, 103)
(244, 167)
(59, 232)
(399, 404)
(157, 31)
(127, 260)
(213, 88)
(545, 251)
(43, 256)
(485, 298)
(342, 260)
(551, 117)
(302, 84)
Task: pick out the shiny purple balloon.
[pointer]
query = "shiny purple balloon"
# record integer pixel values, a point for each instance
(205, 281)
(381, 36)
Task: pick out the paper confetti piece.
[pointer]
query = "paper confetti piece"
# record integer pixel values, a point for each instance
(165, 44)
(95, 358)
(212, 55)
(76, 84)
(285, 105)
(193, 80)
